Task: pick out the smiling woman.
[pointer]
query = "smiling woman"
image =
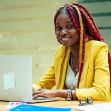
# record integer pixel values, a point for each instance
(81, 67)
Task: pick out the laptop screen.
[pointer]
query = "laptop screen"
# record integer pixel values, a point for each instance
(15, 78)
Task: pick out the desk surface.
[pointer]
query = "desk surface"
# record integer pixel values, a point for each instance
(60, 103)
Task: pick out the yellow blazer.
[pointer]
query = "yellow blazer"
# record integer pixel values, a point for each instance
(95, 78)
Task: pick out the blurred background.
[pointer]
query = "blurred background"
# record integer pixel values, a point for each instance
(26, 28)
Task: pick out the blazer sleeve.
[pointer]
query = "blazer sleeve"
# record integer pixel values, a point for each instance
(47, 81)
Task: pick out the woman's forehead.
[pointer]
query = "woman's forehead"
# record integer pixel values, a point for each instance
(62, 17)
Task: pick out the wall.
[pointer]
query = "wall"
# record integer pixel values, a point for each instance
(26, 28)
(101, 11)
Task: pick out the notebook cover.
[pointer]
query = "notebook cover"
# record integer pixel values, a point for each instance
(27, 107)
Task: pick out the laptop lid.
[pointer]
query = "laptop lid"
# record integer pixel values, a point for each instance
(15, 78)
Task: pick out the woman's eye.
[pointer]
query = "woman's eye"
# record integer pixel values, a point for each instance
(70, 26)
(58, 28)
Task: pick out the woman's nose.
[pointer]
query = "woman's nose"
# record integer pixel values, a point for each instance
(63, 32)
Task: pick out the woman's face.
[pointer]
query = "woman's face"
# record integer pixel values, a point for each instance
(65, 31)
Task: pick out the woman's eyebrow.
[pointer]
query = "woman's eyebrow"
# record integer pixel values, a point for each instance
(68, 21)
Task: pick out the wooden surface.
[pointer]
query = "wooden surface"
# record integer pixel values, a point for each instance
(62, 103)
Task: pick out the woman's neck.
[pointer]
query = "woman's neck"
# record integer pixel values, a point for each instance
(75, 51)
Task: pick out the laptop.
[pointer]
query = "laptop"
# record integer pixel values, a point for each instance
(16, 79)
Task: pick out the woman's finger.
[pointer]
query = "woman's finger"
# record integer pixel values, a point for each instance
(38, 95)
(35, 92)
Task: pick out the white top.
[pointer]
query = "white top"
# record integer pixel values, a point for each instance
(71, 79)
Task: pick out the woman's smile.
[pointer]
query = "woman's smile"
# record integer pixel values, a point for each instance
(65, 38)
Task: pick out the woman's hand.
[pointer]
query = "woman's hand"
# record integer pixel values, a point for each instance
(45, 93)
(50, 93)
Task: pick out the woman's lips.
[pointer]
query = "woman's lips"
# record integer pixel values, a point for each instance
(65, 38)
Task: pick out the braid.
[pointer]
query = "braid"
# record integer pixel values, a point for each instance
(78, 24)
(109, 60)
(72, 17)
(93, 28)
(90, 23)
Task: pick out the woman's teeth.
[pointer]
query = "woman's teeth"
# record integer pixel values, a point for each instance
(65, 38)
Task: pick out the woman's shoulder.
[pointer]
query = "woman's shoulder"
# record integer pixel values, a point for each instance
(61, 50)
(97, 44)
(93, 48)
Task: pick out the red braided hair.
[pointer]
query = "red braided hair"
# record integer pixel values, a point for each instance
(94, 29)
(76, 24)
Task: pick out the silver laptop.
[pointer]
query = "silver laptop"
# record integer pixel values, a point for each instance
(16, 79)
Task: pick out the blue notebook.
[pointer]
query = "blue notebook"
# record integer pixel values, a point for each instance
(27, 107)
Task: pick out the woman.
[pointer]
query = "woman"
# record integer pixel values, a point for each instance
(81, 64)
